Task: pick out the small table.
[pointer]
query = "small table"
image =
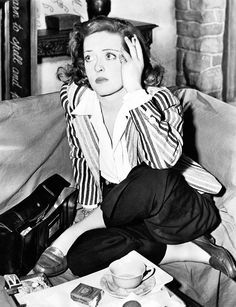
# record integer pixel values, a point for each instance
(59, 296)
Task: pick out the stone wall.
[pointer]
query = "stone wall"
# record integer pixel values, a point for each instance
(200, 29)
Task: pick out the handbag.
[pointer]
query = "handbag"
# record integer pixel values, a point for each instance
(28, 228)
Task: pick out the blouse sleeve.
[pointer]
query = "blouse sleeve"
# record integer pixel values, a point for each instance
(159, 122)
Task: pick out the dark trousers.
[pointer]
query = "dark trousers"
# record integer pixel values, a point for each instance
(146, 211)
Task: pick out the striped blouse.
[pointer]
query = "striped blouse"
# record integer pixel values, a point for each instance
(153, 135)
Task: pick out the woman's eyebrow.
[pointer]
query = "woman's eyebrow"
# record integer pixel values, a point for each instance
(110, 49)
(105, 49)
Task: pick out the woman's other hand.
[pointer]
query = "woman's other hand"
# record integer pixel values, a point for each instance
(132, 64)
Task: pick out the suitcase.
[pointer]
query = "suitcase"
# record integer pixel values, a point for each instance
(28, 228)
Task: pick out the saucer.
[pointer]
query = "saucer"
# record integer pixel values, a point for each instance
(110, 287)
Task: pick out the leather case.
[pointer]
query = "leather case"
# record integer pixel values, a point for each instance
(31, 226)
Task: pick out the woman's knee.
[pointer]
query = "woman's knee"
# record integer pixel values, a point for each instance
(96, 248)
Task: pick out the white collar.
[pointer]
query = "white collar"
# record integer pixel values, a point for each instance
(87, 103)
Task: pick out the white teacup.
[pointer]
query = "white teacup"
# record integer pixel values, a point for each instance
(128, 273)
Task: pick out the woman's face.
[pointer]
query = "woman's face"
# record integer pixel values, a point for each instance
(102, 62)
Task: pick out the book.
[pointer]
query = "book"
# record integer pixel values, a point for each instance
(61, 22)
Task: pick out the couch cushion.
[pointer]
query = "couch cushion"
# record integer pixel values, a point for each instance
(210, 134)
(210, 139)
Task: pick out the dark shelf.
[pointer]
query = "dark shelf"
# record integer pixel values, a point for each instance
(53, 43)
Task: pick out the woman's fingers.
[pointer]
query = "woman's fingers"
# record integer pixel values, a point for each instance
(124, 56)
(138, 48)
(132, 64)
(135, 49)
(132, 47)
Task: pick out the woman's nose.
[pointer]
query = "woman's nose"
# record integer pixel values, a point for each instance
(99, 66)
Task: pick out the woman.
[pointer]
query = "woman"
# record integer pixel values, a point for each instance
(125, 135)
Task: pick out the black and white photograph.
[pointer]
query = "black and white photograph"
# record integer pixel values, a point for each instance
(118, 153)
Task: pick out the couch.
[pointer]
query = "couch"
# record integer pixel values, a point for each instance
(33, 146)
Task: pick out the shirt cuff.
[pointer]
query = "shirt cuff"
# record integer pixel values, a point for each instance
(90, 207)
(135, 99)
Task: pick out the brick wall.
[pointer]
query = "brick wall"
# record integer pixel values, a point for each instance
(200, 29)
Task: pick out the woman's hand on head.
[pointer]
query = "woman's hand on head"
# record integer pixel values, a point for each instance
(132, 65)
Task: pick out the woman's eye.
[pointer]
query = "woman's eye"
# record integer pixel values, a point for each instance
(110, 56)
(88, 58)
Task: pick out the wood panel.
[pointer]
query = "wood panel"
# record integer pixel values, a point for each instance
(18, 48)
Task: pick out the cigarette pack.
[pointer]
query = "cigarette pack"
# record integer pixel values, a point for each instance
(87, 295)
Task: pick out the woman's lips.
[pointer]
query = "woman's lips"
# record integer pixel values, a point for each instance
(100, 80)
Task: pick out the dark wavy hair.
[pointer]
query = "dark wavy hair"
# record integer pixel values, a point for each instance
(152, 76)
